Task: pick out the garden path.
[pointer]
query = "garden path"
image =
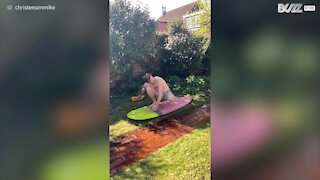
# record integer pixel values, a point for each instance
(133, 146)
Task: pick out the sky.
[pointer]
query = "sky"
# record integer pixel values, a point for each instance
(155, 6)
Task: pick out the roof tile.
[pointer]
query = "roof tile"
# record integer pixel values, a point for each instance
(176, 14)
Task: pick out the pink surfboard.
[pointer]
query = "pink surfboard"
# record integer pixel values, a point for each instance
(166, 107)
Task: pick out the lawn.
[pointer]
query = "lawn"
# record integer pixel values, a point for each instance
(121, 127)
(186, 158)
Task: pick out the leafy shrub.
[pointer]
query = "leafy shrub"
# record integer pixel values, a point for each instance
(136, 49)
(126, 87)
(197, 86)
(132, 39)
(182, 53)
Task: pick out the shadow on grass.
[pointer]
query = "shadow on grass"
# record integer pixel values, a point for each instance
(144, 169)
(140, 169)
(147, 168)
(134, 148)
(205, 126)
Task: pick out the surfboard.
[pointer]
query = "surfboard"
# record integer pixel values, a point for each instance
(166, 107)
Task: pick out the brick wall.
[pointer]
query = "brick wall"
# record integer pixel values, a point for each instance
(162, 26)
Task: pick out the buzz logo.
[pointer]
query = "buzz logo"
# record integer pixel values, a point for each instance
(295, 8)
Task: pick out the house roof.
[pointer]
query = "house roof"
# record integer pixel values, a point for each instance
(176, 14)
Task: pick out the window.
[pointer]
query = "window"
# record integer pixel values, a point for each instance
(192, 21)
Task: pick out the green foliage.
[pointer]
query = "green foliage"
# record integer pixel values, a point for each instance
(127, 85)
(197, 86)
(162, 52)
(132, 38)
(135, 48)
(183, 54)
(176, 27)
(205, 22)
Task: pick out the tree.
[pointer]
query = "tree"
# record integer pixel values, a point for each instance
(184, 55)
(132, 38)
(205, 22)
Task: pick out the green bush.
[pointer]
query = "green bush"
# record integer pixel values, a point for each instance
(132, 39)
(135, 49)
(196, 86)
(125, 87)
(181, 54)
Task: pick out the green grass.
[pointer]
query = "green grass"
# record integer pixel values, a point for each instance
(81, 162)
(121, 127)
(186, 158)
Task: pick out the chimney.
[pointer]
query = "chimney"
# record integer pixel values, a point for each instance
(163, 10)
